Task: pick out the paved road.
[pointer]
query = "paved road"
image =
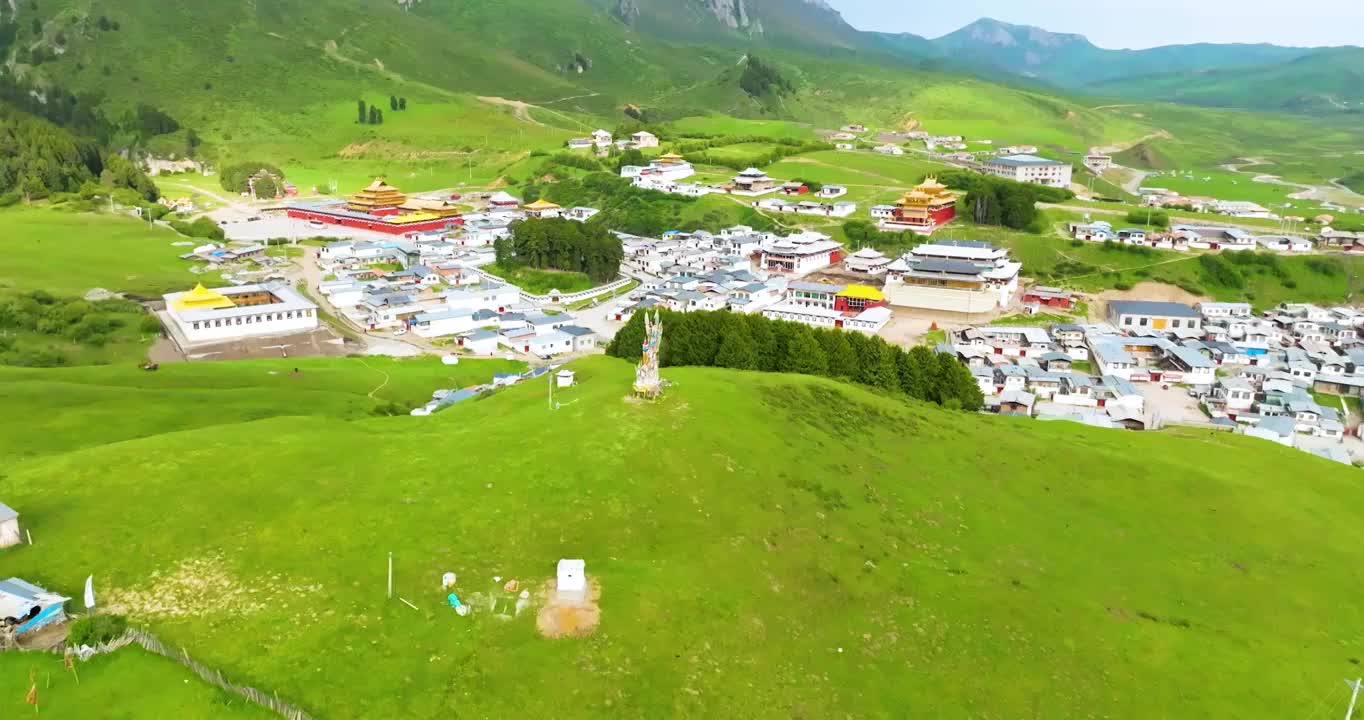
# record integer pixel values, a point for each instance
(307, 270)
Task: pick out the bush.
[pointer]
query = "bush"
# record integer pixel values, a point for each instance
(1220, 272)
(1323, 266)
(201, 228)
(96, 629)
(1154, 218)
(1122, 286)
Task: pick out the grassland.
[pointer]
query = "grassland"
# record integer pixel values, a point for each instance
(80, 407)
(1230, 186)
(540, 282)
(68, 253)
(766, 540)
(129, 684)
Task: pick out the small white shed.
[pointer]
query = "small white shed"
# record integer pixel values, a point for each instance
(565, 378)
(572, 576)
(9, 526)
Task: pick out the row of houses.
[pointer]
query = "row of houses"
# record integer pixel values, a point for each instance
(1162, 197)
(602, 140)
(1189, 237)
(1039, 372)
(820, 305)
(1261, 375)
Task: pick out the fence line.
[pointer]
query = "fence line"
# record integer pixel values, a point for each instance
(150, 643)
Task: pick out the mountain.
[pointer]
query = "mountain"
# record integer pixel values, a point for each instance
(792, 23)
(1331, 80)
(1072, 61)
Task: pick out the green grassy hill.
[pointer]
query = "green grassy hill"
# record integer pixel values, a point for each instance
(1325, 81)
(765, 545)
(130, 684)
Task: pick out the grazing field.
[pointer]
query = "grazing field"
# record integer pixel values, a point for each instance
(77, 407)
(68, 253)
(131, 683)
(860, 168)
(726, 125)
(1230, 186)
(714, 546)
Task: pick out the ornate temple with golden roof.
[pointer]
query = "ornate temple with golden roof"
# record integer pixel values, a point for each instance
(378, 195)
(927, 207)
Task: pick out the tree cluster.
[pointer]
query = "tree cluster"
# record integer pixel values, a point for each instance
(760, 79)
(559, 244)
(752, 342)
(149, 122)
(397, 104)
(237, 177)
(1153, 218)
(368, 114)
(202, 227)
(996, 201)
(623, 206)
(38, 159)
(864, 233)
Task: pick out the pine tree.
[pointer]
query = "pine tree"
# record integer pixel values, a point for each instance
(402, 103)
(360, 109)
(803, 354)
(373, 115)
(885, 371)
(737, 350)
(914, 367)
(393, 103)
(764, 342)
(839, 353)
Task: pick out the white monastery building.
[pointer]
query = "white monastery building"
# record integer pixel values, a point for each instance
(232, 313)
(1029, 169)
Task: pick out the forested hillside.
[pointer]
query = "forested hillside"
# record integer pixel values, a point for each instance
(38, 159)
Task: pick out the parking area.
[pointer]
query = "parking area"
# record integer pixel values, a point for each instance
(241, 227)
(1174, 405)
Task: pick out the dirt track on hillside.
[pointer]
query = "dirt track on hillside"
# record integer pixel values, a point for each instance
(1149, 291)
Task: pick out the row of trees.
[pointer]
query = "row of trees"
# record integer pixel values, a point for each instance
(397, 104)
(560, 244)
(753, 342)
(368, 114)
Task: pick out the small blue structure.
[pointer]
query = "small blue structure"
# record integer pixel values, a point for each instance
(29, 607)
(454, 600)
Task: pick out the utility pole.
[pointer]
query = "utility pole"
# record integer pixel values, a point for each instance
(1354, 695)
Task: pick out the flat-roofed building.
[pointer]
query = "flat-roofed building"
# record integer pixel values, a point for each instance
(1029, 169)
(202, 315)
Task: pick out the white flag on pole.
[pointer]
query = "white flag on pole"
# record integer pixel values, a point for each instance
(89, 592)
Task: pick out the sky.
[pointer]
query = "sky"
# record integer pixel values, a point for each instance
(1114, 24)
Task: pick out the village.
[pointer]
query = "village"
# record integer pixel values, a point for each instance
(411, 271)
